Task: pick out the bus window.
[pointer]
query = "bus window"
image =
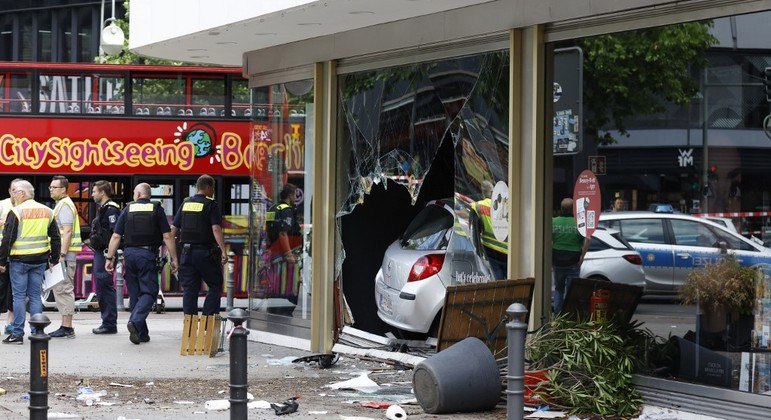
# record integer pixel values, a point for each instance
(15, 92)
(159, 96)
(239, 199)
(62, 94)
(164, 193)
(106, 95)
(208, 97)
(241, 99)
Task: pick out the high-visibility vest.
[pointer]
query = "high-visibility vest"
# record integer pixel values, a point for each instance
(5, 207)
(76, 242)
(482, 209)
(34, 219)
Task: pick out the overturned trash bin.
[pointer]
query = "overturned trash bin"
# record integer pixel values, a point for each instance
(461, 378)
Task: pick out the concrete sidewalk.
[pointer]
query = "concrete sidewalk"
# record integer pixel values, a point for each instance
(181, 385)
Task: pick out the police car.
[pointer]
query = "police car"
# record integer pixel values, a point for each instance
(672, 244)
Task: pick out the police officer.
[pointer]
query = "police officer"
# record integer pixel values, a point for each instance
(101, 232)
(143, 227)
(283, 228)
(199, 224)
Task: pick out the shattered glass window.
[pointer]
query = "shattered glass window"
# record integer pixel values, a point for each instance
(280, 221)
(411, 134)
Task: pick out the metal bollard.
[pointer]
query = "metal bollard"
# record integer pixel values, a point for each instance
(238, 378)
(231, 285)
(515, 379)
(119, 281)
(38, 372)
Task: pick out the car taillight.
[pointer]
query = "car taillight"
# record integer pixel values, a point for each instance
(633, 258)
(426, 266)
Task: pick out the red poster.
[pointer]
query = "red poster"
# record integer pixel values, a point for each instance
(587, 203)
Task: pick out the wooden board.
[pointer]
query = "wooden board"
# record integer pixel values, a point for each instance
(476, 310)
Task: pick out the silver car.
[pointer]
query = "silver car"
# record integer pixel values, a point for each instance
(671, 245)
(436, 250)
(612, 258)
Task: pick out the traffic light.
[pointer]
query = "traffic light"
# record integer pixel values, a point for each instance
(712, 174)
(767, 83)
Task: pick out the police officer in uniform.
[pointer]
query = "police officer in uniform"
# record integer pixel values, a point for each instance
(199, 224)
(101, 232)
(143, 227)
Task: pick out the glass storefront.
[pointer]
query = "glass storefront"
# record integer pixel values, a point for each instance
(422, 156)
(280, 216)
(674, 123)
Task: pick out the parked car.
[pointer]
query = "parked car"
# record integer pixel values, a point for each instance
(610, 257)
(672, 244)
(432, 253)
(441, 248)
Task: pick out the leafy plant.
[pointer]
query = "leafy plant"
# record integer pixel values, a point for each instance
(589, 367)
(725, 284)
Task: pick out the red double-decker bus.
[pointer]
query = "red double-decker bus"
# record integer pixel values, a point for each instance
(129, 124)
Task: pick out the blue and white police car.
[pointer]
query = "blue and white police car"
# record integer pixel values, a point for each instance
(672, 244)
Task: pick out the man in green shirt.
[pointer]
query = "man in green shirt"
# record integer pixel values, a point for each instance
(568, 250)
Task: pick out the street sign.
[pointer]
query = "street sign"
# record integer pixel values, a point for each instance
(597, 165)
(587, 203)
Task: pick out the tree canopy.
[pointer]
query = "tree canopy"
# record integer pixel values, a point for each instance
(638, 72)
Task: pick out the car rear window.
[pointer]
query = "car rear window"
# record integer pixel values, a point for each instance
(429, 230)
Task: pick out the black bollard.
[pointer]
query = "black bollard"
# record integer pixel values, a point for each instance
(238, 378)
(38, 372)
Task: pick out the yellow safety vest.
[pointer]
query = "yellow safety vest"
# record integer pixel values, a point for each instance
(482, 209)
(5, 207)
(76, 242)
(34, 219)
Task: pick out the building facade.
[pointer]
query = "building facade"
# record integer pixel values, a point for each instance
(397, 106)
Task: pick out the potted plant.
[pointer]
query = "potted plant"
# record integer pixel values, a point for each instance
(588, 367)
(725, 294)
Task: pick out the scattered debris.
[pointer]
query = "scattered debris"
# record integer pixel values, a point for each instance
(3, 392)
(546, 414)
(325, 361)
(342, 417)
(217, 405)
(395, 412)
(64, 416)
(150, 384)
(184, 402)
(88, 395)
(149, 401)
(284, 361)
(318, 413)
(259, 404)
(378, 405)
(121, 385)
(362, 384)
(287, 407)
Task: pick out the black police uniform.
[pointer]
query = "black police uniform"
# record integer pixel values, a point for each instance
(142, 225)
(201, 256)
(101, 230)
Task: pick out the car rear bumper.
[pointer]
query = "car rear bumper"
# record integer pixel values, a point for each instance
(411, 308)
